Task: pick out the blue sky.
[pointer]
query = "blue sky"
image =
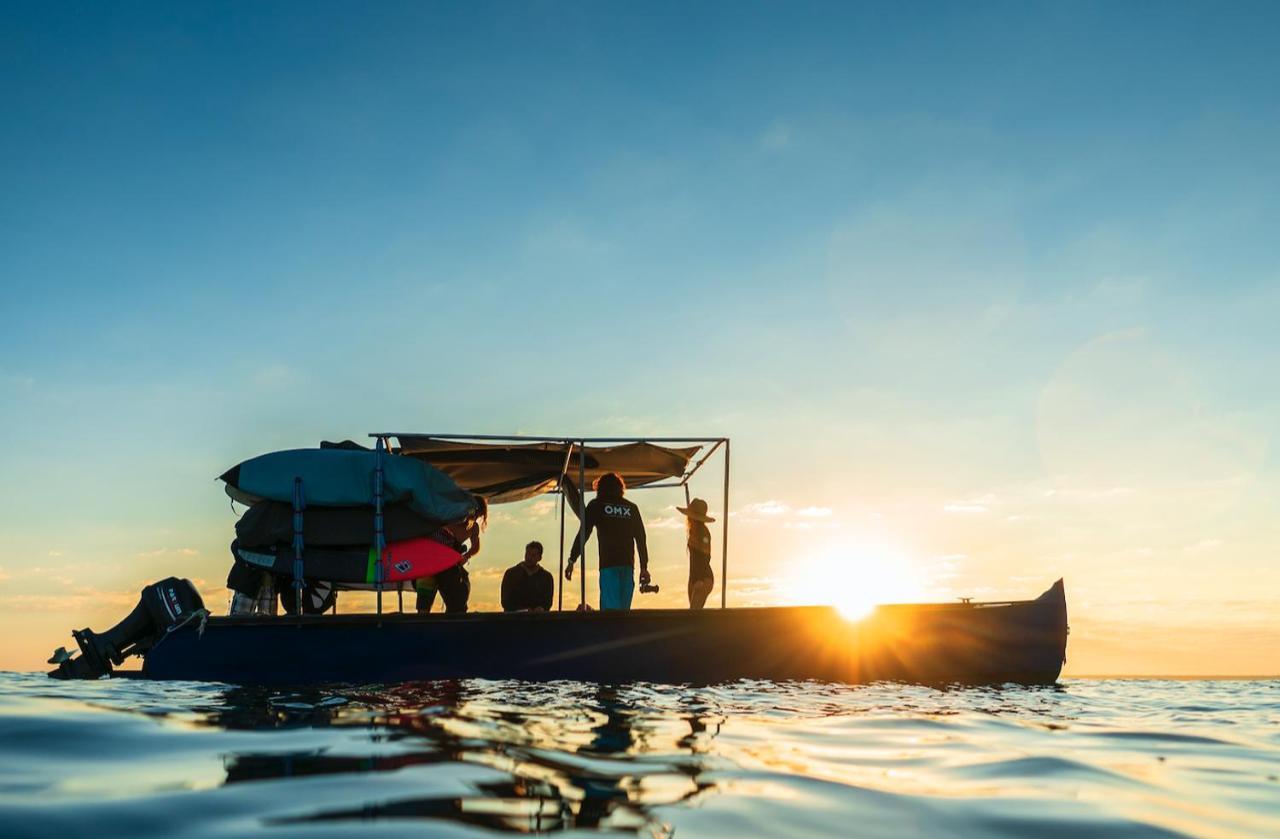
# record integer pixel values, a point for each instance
(906, 255)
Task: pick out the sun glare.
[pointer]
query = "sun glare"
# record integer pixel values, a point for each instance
(853, 577)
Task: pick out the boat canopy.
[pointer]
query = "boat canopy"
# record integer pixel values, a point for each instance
(516, 467)
(504, 472)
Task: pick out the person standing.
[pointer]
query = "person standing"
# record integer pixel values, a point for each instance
(701, 578)
(528, 587)
(454, 583)
(621, 536)
(469, 531)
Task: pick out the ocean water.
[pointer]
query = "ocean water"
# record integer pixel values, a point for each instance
(1089, 757)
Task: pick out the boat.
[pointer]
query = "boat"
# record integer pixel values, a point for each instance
(971, 643)
(1022, 642)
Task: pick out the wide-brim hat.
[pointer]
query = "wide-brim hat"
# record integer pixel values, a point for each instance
(697, 510)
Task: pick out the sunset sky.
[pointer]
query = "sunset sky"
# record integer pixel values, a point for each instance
(984, 294)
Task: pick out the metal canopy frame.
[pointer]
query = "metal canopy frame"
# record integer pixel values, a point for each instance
(712, 444)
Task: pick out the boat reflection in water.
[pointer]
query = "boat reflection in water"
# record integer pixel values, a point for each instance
(590, 759)
(125, 757)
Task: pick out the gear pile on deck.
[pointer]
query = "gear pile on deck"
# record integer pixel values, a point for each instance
(338, 516)
(317, 519)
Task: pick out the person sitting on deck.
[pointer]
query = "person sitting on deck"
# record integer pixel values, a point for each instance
(621, 536)
(528, 587)
(701, 579)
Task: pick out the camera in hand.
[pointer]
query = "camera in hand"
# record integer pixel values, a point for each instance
(648, 588)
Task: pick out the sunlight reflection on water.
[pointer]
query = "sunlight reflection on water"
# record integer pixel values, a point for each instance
(749, 758)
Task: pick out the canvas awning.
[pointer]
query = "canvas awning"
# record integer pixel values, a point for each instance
(504, 472)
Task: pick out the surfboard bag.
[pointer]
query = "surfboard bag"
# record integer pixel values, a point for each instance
(269, 523)
(345, 478)
(161, 606)
(408, 559)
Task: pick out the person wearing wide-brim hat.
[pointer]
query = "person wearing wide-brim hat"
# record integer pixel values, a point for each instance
(701, 579)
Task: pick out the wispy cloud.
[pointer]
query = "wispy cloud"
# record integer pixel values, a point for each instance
(775, 512)
(776, 137)
(500, 516)
(563, 237)
(271, 376)
(74, 599)
(541, 509)
(768, 508)
(159, 552)
(1203, 545)
(964, 507)
(945, 567)
(979, 504)
(1099, 494)
(16, 381)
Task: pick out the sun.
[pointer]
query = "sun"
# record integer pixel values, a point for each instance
(854, 577)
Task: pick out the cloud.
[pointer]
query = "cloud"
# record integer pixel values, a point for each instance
(776, 512)
(17, 381)
(565, 237)
(500, 517)
(666, 523)
(765, 508)
(76, 599)
(776, 137)
(159, 552)
(945, 567)
(541, 509)
(273, 376)
(4, 575)
(981, 504)
(1203, 545)
(964, 507)
(1100, 494)
(55, 553)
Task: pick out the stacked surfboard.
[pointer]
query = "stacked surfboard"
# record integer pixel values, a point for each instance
(321, 505)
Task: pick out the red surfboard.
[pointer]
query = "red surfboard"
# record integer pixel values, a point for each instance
(410, 559)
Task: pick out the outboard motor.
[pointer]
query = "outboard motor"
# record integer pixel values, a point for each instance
(163, 605)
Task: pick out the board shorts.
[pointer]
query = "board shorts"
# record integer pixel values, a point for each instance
(617, 584)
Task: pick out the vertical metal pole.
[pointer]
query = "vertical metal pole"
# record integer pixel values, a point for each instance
(564, 470)
(379, 537)
(299, 504)
(560, 577)
(724, 535)
(582, 514)
(686, 494)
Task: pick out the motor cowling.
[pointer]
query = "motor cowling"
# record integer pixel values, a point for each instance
(162, 605)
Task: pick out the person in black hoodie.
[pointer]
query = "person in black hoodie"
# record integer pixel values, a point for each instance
(528, 587)
(621, 531)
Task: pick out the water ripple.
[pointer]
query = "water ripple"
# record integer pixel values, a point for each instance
(1128, 758)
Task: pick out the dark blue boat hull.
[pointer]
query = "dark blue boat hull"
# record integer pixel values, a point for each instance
(1023, 642)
